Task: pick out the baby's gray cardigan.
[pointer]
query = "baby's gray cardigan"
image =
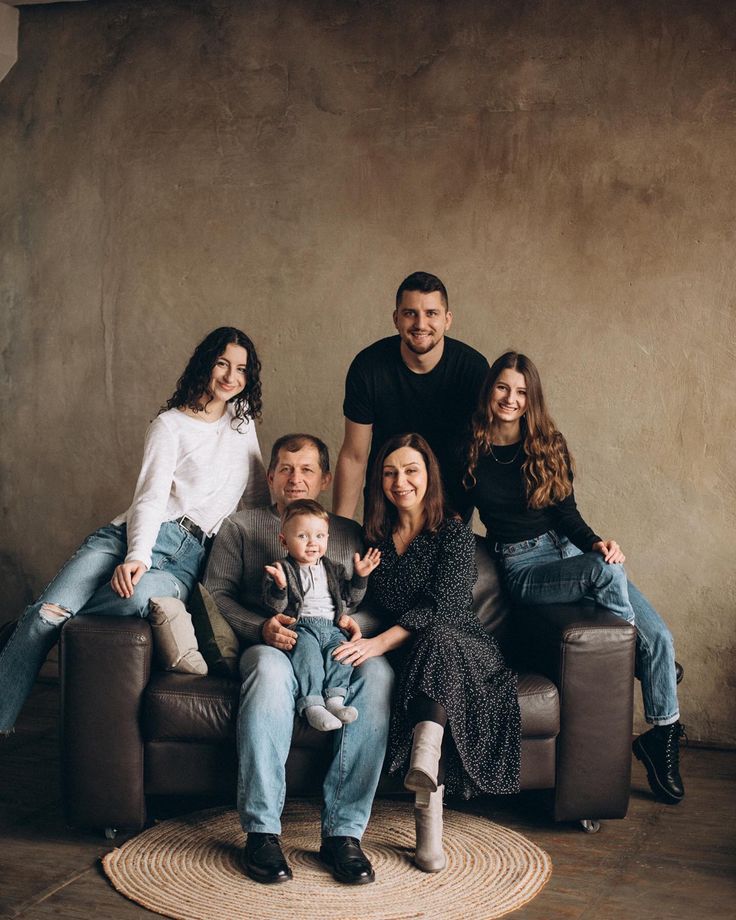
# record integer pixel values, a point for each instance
(344, 592)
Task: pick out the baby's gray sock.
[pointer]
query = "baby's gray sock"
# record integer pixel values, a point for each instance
(336, 705)
(319, 718)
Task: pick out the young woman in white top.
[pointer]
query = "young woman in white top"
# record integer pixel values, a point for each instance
(201, 455)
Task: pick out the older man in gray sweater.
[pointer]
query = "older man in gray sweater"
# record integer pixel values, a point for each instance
(248, 540)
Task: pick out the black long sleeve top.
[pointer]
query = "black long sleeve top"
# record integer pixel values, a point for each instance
(500, 497)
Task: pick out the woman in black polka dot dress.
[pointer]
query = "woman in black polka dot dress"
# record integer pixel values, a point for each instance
(452, 678)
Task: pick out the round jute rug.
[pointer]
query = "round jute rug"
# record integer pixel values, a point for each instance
(189, 868)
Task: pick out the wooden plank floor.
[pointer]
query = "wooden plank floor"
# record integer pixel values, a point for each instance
(660, 863)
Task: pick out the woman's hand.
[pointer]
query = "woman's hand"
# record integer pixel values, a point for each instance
(370, 561)
(351, 626)
(126, 576)
(357, 651)
(610, 550)
(277, 573)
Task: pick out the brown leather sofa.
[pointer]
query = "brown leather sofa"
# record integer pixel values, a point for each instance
(130, 731)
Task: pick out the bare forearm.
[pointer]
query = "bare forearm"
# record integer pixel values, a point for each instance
(349, 474)
(392, 638)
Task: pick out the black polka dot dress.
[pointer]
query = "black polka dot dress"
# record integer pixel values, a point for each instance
(452, 660)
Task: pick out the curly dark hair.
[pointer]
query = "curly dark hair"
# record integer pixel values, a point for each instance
(193, 383)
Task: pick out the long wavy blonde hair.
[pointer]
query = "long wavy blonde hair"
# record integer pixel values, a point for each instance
(548, 467)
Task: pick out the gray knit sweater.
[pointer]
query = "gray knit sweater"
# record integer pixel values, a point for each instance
(248, 540)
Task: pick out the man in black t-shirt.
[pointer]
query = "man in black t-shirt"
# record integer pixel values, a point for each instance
(419, 380)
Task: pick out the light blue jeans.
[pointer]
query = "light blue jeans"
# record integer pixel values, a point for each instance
(83, 586)
(265, 723)
(318, 674)
(551, 570)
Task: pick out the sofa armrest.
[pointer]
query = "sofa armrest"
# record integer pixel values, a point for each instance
(589, 653)
(105, 667)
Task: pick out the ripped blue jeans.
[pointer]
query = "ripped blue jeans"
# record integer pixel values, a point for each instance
(550, 570)
(83, 586)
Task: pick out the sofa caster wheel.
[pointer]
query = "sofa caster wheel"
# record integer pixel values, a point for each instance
(590, 826)
(111, 833)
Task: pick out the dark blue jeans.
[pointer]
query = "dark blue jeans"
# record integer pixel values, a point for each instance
(550, 570)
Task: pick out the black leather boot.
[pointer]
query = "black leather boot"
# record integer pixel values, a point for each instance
(659, 751)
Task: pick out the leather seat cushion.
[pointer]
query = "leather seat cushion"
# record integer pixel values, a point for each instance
(182, 707)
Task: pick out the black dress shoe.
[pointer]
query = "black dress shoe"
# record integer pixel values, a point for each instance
(348, 862)
(659, 751)
(263, 860)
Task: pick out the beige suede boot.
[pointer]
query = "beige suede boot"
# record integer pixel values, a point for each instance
(425, 758)
(428, 855)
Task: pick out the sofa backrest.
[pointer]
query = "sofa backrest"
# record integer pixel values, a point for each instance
(489, 601)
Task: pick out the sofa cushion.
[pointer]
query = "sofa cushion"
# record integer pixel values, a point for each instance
(177, 707)
(174, 642)
(539, 703)
(217, 642)
(489, 601)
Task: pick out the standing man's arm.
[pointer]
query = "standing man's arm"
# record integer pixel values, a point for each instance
(350, 469)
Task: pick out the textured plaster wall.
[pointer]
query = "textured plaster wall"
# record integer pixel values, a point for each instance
(567, 167)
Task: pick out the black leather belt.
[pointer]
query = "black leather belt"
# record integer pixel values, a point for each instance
(195, 530)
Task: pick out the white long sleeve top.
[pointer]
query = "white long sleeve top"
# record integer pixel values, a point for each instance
(193, 468)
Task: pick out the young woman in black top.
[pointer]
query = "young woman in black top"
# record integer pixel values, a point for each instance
(520, 477)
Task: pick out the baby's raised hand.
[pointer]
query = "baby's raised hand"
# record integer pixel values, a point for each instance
(277, 573)
(370, 561)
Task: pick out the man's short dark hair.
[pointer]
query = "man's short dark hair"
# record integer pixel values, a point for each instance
(294, 442)
(425, 284)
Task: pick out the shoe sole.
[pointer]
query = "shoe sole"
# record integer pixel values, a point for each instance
(430, 867)
(654, 784)
(264, 880)
(268, 881)
(419, 781)
(347, 881)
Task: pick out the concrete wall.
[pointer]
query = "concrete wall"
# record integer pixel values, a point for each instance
(566, 167)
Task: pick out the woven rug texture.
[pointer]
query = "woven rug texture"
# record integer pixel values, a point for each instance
(189, 868)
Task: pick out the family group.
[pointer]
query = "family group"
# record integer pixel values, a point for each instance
(408, 676)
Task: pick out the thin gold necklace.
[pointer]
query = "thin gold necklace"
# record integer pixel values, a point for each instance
(405, 543)
(505, 462)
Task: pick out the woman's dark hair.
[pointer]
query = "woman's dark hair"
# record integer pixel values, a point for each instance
(548, 467)
(381, 515)
(193, 383)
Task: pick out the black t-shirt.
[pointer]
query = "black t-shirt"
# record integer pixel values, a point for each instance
(500, 497)
(380, 390)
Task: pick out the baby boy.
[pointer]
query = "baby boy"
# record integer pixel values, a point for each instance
(308, 586)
